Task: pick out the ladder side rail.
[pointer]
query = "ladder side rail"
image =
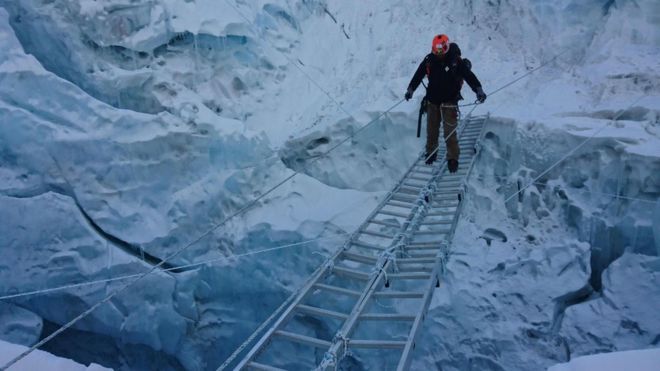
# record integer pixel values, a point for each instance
(404, 361)
(406, 358)
(338, 345)
(459, 210)
(477, 146)
(420, 210)
(321, 272)
(288, 313)
(385, 200)
(349, 326)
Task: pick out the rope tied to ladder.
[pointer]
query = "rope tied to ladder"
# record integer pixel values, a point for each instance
(330, 265)
(378, 269)
(344, 341)
(329, 360)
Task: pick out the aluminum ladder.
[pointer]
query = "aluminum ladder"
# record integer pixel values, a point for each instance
(396, 255)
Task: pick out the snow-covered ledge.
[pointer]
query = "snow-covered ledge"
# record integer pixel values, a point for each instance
(40, 360)
(639, 360)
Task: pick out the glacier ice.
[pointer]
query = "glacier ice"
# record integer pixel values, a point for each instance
(127, 129)
(611, 321)
(18, 325)
(570, 233)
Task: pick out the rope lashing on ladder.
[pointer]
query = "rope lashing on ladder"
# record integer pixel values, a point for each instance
(330, 359)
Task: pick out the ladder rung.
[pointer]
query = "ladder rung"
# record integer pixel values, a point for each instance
(427, 243)
(351, 273)
(445, 203)
(262, 367)
(359, 258)
(437, 222)
(381, 222)
(445, 185)
(410, 276)
(433, 232)
(415, 261)
(399, 294)
(446, 197)
(409, 190)
(418, 247)
(377, 344)
(392, 213)
(420, 174)
(415, 269)
(457, 176)
(399, 204)
(418, 178)
(376, 234)
(338, 290)
(422, 255)
(414, 185)
(320, 312)
(451, 187)
(423, 164)
(449, 184)
(404, 198)
(367, 245)
(422, 247)
(387, 317)
(447, 188)
(424, 170)
(302, 339)
(441, 213)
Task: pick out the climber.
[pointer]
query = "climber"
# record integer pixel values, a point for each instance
(445, 70)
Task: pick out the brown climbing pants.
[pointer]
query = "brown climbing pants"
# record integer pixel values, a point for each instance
(448, 114)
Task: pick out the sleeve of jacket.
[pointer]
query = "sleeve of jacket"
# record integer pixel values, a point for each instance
(469, 76)
(418, 76)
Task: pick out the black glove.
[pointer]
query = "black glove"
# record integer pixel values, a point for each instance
(481, 96)
(408, 94)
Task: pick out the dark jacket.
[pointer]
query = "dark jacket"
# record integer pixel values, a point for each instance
(446, 74)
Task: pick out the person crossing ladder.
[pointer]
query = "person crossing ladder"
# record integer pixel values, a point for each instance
(445, 70)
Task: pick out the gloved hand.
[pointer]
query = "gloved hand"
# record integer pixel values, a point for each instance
(408, 94)
(481, 96)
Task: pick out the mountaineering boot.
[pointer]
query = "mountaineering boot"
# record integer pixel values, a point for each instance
(430, 160)
(452, 165)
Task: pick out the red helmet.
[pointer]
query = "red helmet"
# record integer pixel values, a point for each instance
(440, 44)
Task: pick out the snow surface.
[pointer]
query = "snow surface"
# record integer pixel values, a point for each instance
(40, 360)
(127, 129)
(639, 360)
